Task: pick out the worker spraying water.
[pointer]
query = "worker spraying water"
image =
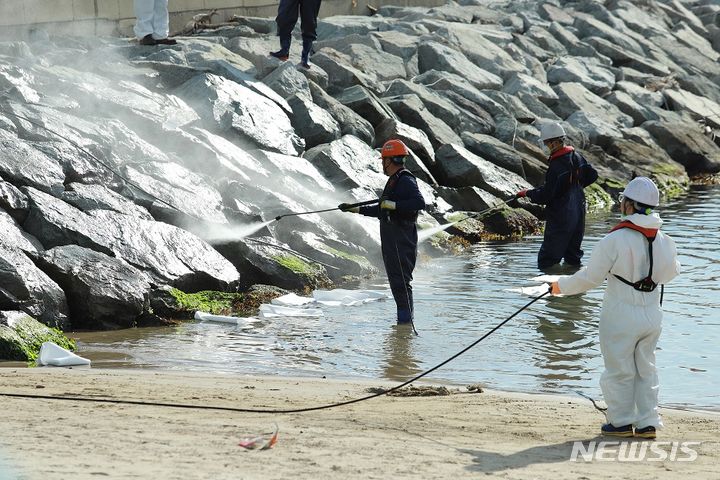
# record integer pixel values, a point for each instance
(397, 208)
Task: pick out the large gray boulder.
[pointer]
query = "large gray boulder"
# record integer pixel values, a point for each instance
(265, 261)
(449, 82)
(411, 110)
(381, 65)
(436, 56)
(348, 163)
(547, 40)
(21, 164)
(25, 287)
(458, 167)
(687, 145)
(648, 160)
(235, 109)
(103, 292)
(458, 119)
(598, 128)
(13, 201)
(397, 43)
(627, 105)
(183, 195)
(688, 58)
(699, 107)
(285, 168)
(340, 68)
(574, 97)
(168, 254)
(350, 123)
(215, 156)
(98, 197)
(627, 58)
(342, 44)
(589, 72)
(366, 104)
(588, 26)
(505, 156)
(313, 123)
(342, 25)
(481, 50)
(286, 80)
(521, 83)
(642, 95)
(13, 235)
(341, 258)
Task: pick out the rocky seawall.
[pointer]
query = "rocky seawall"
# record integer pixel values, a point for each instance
(129, 171)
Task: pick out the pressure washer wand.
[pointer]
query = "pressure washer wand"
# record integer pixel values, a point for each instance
(350, 205)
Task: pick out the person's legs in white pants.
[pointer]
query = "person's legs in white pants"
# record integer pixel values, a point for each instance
(144, 12)
(646, 381)
(617, 344)
(161, 20)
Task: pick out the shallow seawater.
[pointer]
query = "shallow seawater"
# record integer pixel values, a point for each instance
(551, 347)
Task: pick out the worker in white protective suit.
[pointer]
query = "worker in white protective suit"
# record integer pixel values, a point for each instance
(153, 22)
(635, 258)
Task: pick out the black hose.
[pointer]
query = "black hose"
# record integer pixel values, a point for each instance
(274, 411)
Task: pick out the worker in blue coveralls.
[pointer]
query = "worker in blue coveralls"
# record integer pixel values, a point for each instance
(562, 194)
(397, 210)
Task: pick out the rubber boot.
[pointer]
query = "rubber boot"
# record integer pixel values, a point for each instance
(307, 49)
(284, 52)
(404, 316)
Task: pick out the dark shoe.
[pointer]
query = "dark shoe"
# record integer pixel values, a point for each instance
(280, 55)
(304, 65)
(647, 432)
(148, 40)
(166, 41)
(613, 431)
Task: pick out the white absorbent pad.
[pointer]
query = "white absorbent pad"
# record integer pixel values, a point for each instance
(272, 311)
(55, 355)
(345, 298)
(292, 300)
(208, 317)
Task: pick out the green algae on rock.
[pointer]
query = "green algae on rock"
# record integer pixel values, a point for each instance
(21, 337)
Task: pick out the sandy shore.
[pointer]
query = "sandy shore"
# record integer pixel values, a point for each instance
(463, 435)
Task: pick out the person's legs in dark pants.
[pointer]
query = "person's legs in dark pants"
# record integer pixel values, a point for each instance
(286, 19)
(399, 256)
(573, 253)
(555, 241)
(309, 10)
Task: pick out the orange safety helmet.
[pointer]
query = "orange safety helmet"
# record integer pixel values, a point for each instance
(395, 150)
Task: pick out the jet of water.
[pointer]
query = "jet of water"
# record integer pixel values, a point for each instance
(228, 233)
(425, 234)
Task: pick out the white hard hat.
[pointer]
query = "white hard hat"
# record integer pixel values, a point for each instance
(642, 190)
(550, 130)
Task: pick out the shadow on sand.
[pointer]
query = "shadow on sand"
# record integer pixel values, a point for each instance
(491, 462)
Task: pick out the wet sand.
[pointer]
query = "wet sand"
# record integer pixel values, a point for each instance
(464, 435)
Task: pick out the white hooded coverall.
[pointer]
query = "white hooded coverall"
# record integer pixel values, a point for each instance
(630, 321)
(152, 18)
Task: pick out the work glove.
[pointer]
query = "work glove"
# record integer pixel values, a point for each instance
(387, 205)
(521, 194)
(346, 207)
